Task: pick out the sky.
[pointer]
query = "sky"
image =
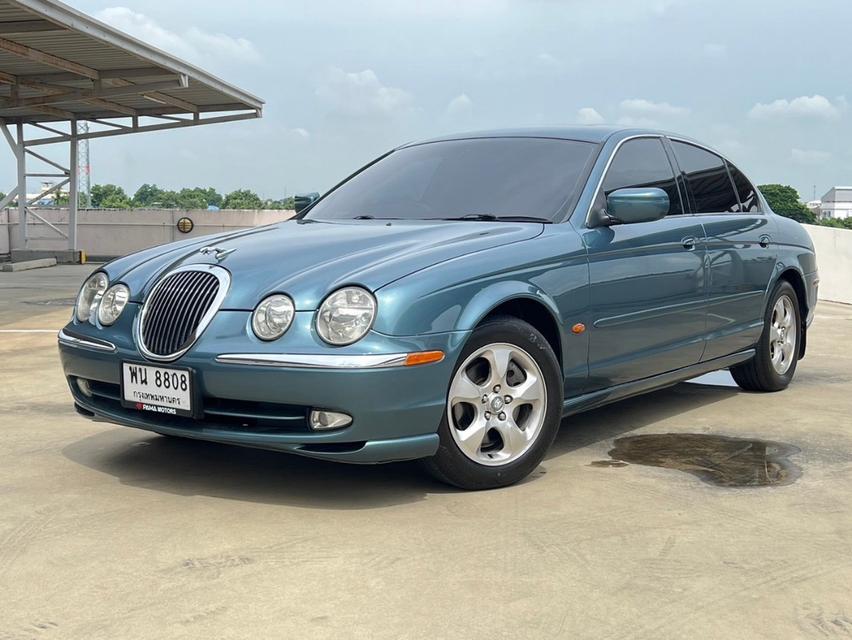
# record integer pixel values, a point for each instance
(767, 82)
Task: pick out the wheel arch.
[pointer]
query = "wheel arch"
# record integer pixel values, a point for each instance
(531, 306)
(797, 281)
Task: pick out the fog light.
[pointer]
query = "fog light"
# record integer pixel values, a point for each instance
(321, 420)
(84, 387)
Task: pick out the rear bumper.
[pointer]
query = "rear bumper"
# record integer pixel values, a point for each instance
(395, 410)
(812, 289)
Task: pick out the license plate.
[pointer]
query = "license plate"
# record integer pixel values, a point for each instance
(165, 390)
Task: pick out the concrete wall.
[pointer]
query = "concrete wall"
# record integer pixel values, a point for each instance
(4, 232)
(834, 259)
(117, 232)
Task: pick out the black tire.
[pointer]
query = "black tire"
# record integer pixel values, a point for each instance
(450, 464)
(759, 374)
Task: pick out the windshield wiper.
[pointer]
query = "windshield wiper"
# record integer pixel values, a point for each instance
(371, 217)
(490, 217)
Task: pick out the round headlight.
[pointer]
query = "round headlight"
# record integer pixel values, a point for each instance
(90, 295)
(346, 316)
(113, 303)
(272, 317)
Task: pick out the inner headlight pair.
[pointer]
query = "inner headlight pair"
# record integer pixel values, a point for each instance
(96, 297)
(344, 317)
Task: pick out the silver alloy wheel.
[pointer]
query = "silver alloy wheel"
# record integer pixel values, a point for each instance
(497, 404)
(783, 335)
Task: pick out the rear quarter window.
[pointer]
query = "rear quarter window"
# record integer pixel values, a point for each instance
(749, 202)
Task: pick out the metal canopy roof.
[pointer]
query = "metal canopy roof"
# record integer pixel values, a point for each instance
(59, 64)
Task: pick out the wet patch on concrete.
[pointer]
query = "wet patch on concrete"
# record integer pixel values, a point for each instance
(608, 463)
(54, 302)
(717, 460)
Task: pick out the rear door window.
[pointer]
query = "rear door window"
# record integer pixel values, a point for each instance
(709, 185)
(643, 163)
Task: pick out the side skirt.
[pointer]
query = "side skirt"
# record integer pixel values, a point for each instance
(620, 392)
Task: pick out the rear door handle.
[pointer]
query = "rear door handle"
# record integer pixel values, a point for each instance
(764, 240)
(689, 243)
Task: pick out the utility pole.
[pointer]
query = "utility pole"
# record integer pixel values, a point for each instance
(84, 168)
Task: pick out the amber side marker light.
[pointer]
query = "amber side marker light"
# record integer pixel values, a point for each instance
(578, 328)
(423, 357)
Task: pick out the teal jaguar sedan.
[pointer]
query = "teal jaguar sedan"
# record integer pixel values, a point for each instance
(452, 302)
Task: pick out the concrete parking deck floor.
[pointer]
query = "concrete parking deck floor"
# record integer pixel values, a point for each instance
(109, 532)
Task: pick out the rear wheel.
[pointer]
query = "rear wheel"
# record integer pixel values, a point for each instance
(774, 364)
(503, 410)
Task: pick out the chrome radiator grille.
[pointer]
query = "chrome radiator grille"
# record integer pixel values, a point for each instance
(179, 308)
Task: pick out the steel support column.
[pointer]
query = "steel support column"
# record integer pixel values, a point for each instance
(21, 158)
(72, 189)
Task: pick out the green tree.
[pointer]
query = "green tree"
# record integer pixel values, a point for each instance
(199, 198)
(283, 203)
(242, 199)
(109, 196)
(784, 201)
(213, 197)
(147, 195)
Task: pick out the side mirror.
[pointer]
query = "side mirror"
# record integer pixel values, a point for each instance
(626, 206)
(304, 200)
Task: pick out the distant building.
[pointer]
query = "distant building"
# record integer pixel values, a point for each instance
(837, 203)
(50, 199)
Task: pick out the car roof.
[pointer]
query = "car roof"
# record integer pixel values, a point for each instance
(587, 133)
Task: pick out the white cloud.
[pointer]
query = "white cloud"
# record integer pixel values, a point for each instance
(193, 43)
(731, 146)
(361, 94)
(637, 122)
(299, 133)
(715, 50)
(461, 105)
(645, 108)
(546, 59)
(815, 106)
(588, 115)
(809, 156)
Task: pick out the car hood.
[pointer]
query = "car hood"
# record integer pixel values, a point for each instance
(309, 259)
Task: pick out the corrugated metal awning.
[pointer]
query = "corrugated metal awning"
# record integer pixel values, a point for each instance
(59, 64)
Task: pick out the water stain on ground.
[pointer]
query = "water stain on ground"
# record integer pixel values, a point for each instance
(718, 460)
(54, 302)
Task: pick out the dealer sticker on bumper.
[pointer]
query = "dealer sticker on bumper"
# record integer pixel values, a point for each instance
(157, 389)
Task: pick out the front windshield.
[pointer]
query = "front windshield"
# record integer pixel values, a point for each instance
(486, 178)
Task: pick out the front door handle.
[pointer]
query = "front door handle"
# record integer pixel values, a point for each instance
(764, 240)
(689, 243)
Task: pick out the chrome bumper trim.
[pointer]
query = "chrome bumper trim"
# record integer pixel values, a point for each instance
(85, 343)
(314, 361)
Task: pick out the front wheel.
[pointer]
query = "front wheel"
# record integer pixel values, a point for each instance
(774, 364)
(504, 406)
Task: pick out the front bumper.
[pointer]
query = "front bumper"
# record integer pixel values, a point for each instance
(395, 410)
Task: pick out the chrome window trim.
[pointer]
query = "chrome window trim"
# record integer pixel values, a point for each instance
(314, 361)
(85, 343)
(224, 278)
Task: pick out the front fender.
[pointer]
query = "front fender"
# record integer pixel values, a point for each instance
(492, 296)
(456, 294)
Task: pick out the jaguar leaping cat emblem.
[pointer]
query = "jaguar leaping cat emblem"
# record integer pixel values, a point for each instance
(218, 252)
